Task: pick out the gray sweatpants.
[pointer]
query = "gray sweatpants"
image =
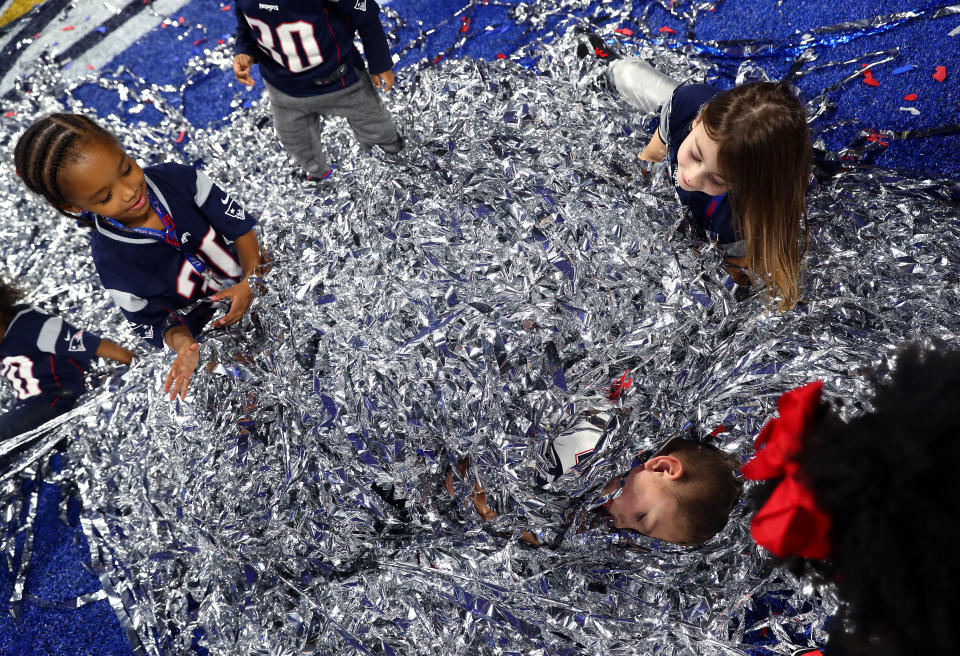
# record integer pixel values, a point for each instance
(298, 121)
(640, 84)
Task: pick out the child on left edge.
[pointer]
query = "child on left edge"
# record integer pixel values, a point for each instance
(163, 238)
(45, 359)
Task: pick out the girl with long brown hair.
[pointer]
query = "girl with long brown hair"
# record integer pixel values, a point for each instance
(741, 161)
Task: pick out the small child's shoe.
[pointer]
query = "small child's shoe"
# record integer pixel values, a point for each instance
(593, 43)
(394, 147)
(312, 178)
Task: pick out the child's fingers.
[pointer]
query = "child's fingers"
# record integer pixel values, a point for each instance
(173, 384)
(229, 318)
(184, 384)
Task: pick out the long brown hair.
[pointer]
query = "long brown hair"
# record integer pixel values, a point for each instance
(764, 155)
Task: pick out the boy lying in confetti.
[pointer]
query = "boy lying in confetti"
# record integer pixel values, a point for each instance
(682, 495)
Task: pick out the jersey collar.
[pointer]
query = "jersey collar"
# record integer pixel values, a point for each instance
(117, 234)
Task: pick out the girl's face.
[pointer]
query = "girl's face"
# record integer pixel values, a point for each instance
(104, 180)
(647, 504)
(697, 167)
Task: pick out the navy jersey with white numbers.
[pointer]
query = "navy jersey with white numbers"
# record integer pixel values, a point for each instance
(43, 355)
(300, 44)
(151, 279)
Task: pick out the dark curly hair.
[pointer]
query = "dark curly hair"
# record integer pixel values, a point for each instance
(708, 489)
(10, 296)
(889, 480)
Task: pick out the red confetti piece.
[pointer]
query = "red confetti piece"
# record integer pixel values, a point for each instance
(500, 55)
(869, 79)
(910, 96)
(90, 66)
(719, 429)
(225, 8)
(875, 136)
(68, 28)
(181, 20)
(620, 386)
(220, 42)
(163, 26)
(198, 41)
(941, 74)
(180, 136)
(667, 30)
(436, 59)
(466, 24)
(37, 35)
(9, 115)
(625, 31)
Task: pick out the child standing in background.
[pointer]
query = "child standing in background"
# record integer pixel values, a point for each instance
(44, 358)
(163, 238)
(740, 159)
(312, 69)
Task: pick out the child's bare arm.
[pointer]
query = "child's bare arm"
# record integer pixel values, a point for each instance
(180, 339)
(736, 267)
(655, 149)
(112, 351)
(479, 498)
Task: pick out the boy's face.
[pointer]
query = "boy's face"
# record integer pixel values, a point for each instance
(107, 182)
(697, 167)
(647, 504)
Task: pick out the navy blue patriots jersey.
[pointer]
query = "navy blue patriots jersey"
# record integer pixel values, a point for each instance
(301, 44)
(150, 279)
(711, 213)
(43, 355)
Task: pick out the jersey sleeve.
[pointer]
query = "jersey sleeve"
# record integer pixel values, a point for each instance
(151, 318)
(364, 15)
(663, 131)
(60, 338)
(223, 211)
(246, 44)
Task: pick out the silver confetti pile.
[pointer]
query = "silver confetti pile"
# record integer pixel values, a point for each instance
(448, 303)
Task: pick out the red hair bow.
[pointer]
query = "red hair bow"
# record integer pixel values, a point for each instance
(789, 523)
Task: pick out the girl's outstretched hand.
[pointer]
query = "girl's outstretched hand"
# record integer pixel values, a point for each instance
(240, 296)
(182, 370)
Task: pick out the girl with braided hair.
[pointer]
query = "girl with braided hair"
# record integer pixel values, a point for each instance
(163, 239)
(870, 505)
